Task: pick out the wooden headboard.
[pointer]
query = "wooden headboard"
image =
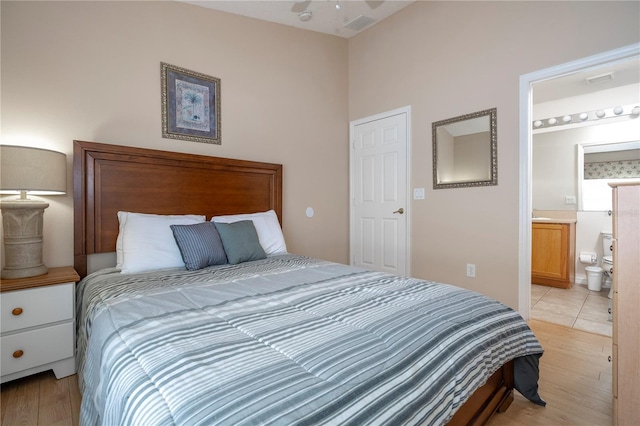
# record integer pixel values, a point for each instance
(110, 178)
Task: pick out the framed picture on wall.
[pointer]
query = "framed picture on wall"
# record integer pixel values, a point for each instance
(190, 105)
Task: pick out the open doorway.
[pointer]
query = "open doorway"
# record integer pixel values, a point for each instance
(528, 83)
(583, 126)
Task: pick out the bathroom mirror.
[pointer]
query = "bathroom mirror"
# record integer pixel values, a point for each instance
(600, 164)
(465, 150)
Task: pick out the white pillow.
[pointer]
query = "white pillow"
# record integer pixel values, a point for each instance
(267, 227)
(145, 241)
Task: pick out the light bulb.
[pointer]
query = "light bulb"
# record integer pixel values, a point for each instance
(584, 116)
(599, 113)
(617, 110)
(552, 121)
(566, 118)
(635, 110)
(537, 123)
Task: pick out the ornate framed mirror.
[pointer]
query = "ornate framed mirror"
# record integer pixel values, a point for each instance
(465, 150)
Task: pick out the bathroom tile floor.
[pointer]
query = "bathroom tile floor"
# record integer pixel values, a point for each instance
(577, 307)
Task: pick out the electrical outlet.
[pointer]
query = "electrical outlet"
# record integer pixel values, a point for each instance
(471, 270)
(570, 199)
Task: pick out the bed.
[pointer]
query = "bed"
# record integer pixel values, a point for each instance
(281, 339)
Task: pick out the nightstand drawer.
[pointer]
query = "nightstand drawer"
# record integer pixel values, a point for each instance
(21, 351)
(37, 306)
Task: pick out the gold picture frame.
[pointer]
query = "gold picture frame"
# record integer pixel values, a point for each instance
(190, 105)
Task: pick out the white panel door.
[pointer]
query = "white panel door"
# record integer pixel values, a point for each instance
(379, 211)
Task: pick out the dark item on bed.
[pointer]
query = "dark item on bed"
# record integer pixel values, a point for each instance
(110, 178)
(240, 241)
(199, 244)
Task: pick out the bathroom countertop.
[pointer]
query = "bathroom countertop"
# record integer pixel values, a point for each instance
(551, 220)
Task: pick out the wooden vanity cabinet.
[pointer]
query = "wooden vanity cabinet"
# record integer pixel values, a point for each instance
(552, 254)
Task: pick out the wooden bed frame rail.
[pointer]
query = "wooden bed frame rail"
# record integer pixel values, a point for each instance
(494, 396)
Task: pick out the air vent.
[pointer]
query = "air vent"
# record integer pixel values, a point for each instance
(359, 23)
(600, 78)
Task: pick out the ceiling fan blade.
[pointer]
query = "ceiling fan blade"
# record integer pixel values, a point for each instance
(300, 6)
(373, 4)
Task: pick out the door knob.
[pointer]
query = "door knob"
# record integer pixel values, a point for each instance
(400, 210)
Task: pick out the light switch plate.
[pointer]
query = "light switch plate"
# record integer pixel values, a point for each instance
(418, 193)
(471, 270)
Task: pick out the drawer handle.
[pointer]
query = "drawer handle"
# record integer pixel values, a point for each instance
(18, 353)
(17, 311)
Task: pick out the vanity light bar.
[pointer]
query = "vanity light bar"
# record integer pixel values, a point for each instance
(619, 111)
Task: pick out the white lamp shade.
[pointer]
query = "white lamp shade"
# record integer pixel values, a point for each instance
(34, 170)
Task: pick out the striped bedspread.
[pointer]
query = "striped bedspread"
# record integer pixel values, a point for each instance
(287, 340)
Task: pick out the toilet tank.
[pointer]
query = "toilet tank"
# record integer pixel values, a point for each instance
(606, 243)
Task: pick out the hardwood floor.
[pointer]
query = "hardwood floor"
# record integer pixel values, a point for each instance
(575, 380)
(41, 399)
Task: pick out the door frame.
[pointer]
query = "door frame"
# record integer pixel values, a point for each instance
(526, 105)
(352, 124)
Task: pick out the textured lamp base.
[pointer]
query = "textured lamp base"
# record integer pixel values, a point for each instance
(22, 227)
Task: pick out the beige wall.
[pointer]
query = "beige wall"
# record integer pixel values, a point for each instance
(555, 160)
(91, 71)
(446, 59)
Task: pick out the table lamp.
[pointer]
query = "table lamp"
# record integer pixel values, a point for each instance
(23, 171)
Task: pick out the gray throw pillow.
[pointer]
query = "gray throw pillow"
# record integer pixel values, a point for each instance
(240, 241)
(200, 245)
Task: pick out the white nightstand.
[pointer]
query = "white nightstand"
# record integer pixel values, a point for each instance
(37, 317)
